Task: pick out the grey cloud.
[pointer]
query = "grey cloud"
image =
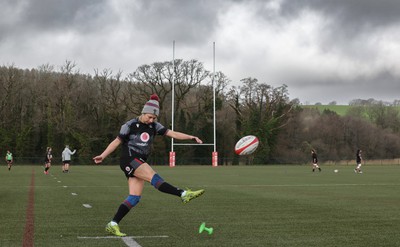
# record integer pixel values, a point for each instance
(384, 86)
(50, 15)
(349, 23)
(123, 34)
(349, 13)
(190, 22)
(349, 19)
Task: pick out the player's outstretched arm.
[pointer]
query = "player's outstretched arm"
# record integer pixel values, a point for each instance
(110, 148)
(183, 136)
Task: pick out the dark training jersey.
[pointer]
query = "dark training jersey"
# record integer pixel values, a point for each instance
(137, 138)
(48, 157)
(358, 157)
(314, 158)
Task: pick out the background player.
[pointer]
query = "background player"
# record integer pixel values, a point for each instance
(358, 161)
(9, 159)
(314, 160)
(66, 158)
(47, 160)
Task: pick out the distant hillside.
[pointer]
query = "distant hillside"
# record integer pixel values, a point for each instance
(341, 110)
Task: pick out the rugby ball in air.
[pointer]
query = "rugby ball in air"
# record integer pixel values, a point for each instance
(246, 145)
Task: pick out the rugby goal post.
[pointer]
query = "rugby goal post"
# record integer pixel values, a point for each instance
(172, 154)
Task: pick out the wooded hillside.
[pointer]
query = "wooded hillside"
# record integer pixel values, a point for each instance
(48, 107)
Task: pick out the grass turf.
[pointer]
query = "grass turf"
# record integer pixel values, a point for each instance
(246, 206)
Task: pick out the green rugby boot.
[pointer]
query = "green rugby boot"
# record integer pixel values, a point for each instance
(114, 230)
(188, 195)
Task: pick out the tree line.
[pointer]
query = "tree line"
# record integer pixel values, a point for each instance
(47, 107)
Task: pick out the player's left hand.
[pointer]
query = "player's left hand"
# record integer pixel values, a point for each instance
(196, 139)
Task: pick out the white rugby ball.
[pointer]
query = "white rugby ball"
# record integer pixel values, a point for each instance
(246, 145)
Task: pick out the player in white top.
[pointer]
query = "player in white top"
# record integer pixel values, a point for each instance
(66, 158)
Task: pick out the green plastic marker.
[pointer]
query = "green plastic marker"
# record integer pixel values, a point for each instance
(204, 228)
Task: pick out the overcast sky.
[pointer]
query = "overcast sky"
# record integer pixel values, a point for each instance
(323, 50)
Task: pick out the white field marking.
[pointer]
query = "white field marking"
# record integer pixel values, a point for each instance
(129, 240)
(87, 205)
(105, 186)
(58, 181)
(107, 237)
(296, 185)
(74, 194)
(64, 186)
(226, 185)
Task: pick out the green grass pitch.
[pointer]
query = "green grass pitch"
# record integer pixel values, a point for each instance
(246, 206)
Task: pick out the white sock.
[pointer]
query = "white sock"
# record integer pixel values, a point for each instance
(183, 193)
(112, 223)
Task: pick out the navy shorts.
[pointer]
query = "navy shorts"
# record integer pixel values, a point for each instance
(129, 167)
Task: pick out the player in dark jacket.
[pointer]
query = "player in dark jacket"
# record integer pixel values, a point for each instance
(314, 161)
(47, 160)
(358, 161)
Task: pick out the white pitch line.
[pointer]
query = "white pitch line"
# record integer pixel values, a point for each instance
(74, 194)
(223, 185)
(107, 237)
(87, 205)
(296, 185)
(232, 185)
(105, 186)
(129, 240)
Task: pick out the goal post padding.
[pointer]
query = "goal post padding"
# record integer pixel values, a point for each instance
(172, 159)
